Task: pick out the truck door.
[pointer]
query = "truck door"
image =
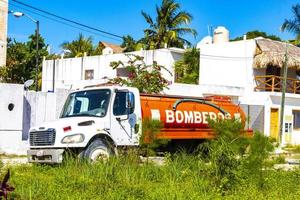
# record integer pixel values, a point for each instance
(124, 118)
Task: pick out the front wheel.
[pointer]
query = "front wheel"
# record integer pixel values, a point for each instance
(98, 150)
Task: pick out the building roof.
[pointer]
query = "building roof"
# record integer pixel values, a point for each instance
(270, 52)
(114, 47)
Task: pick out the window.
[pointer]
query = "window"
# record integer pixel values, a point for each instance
(89, 74)
(119, 107)
(87, 103)
(123, 72)
(296, 114)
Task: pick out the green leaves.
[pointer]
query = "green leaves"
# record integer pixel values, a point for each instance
(148, 141)
(147, 78)
(168, 26)
(187, 68)
(79, 46)
(235, 158)
(255, 33)
(293, 25)
(21, 60)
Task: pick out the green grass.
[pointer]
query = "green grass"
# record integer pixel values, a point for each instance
(228, 167)
(183, 177)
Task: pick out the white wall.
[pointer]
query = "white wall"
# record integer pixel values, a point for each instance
(11, 122)
(69, 72)
(30, 108)
(11, 94)
(227, 64)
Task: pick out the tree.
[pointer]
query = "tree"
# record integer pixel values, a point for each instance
(16, 69)
(187, 68)
(168, 27)
(293, 25)
(43, 52)
(21, 60)
(78, 47)
(129, 44)
(147, 78)
(255, 34)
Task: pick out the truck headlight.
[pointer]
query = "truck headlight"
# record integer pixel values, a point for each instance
(77, 138)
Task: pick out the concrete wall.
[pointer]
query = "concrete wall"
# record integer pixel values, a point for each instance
(11, 120)
(30, 108)
(70, 72)
(255, 117)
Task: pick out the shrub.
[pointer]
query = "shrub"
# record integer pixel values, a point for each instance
(234, 157)
(149, 143)
(146, 78)
(254, 162)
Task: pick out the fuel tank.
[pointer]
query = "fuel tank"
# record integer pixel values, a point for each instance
(187, 117)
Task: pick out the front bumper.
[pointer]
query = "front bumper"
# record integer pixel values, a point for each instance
(51, 156)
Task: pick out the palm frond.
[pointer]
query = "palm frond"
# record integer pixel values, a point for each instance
(147, 18)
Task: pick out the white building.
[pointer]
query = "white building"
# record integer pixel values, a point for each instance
(256, 67)
(76, 72)
(250, 71)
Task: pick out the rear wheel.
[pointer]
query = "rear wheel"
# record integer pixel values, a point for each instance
(98, 150)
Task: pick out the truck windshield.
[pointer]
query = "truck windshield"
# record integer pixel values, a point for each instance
(87, 103)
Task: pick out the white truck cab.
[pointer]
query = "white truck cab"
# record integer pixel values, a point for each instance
(93, 122)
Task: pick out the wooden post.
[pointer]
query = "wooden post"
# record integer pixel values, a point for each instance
(273, 83)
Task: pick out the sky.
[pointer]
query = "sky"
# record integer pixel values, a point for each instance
(123, 17)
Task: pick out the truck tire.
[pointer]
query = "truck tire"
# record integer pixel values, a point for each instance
(97, 150)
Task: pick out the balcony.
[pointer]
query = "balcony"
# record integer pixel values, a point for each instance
(271, 83)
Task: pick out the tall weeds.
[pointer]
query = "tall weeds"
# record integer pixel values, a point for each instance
(228, 167)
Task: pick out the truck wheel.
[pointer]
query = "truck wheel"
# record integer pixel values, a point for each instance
(98, 150)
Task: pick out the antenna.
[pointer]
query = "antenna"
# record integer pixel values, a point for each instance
(28, 83)
(208, 30)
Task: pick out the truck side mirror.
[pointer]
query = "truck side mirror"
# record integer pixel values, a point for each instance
(129, 100)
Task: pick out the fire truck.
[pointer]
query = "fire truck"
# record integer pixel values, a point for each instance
(96, 120)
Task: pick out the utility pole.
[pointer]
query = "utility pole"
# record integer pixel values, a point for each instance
(283, 94)
(37, 32)
(3, 31)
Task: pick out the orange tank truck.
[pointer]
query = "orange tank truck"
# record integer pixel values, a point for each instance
(96, 120)
(187, 117)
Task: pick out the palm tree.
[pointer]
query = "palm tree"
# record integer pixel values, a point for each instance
(293, 25)
(78, 47)
(187, 68)
(168, 27)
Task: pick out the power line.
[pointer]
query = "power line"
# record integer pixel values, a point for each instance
(75, 27)
(68, 20)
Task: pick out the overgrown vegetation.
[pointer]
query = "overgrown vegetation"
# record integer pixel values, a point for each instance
(148, 141)
(230, 167)
(146, 78)
(182, 177)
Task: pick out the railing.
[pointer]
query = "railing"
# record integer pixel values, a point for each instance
(273, 83)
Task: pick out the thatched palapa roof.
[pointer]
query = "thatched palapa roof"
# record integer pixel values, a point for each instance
(270, 52)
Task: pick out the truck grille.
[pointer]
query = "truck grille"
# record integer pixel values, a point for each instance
(42, 138)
